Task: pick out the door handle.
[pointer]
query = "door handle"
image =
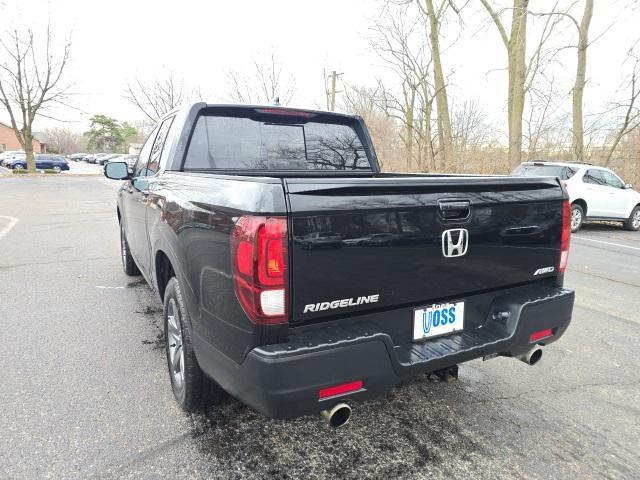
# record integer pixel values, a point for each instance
(454, 209)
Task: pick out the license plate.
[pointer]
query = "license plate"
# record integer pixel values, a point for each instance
(438, 319)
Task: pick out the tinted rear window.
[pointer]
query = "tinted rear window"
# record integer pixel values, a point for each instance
(239, 143)
(541, 171)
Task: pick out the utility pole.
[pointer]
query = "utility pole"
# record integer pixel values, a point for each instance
(331, 94)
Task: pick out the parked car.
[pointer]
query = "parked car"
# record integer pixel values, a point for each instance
(130, 159)
(77, 157)
(320, 240)
(596, 193)
(9, 155)
(43, 162)
(112, 157)
(214, 217)
(95, 157)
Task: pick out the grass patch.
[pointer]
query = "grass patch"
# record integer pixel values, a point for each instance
(23, 171)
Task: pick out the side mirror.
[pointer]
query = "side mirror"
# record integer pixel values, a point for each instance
(116, 170)
(628, 185)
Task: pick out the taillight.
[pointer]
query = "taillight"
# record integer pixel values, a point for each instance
(285, 112)
(566, 236)
(259, 265)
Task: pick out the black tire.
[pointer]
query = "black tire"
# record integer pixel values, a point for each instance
(633, 222)
(128, 263)
(576, 213)
(195, 391)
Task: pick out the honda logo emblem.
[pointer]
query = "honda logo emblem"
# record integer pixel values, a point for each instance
(455, 242)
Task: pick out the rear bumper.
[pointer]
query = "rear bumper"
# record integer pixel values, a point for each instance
(283, 380)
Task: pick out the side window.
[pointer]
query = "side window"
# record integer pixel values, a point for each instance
(156, 150)
(612, 180)
(593, 177)
(569, 172)
(141, 163)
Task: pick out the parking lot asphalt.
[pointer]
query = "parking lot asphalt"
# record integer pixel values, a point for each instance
(85, 393)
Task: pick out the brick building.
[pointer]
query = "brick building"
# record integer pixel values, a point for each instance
(9, 141)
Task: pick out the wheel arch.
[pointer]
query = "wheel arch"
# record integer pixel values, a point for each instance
(582, 204)
(164, 271)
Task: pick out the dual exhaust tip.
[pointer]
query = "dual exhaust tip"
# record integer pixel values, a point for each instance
(337, 416)
(531, 357)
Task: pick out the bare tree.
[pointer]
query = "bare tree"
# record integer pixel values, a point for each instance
(31, 75)
(64, 140)
(469, 127)
(442, 104)
(537, 124)
(401, 46)
(578, 87)
(515, 44)
(266, 84)
(631, 117)
(582, 29)
(159, 96)
(366, 102)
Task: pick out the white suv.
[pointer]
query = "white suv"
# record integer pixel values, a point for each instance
(596, 193)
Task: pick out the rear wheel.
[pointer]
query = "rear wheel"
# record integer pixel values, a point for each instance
(57, 168)
(577, 217)
(191, 388)
(633, 222)
(128, 263)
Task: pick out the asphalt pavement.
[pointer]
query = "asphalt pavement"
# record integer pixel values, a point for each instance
(84, 390)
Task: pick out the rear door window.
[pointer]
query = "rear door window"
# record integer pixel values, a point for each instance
(239, 143)
(594, 177)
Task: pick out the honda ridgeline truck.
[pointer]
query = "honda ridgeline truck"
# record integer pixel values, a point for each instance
(297, 277)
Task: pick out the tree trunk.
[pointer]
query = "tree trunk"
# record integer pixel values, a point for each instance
(578, 88)
(442, 105)
(426, 134)
(517, 74)
(28, 150)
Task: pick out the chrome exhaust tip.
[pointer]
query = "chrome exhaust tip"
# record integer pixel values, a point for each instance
(338, 416)
(532, 357)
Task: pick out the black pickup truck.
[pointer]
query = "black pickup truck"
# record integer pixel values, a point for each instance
(296, 276)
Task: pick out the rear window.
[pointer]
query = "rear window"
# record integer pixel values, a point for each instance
(563, 173)
(239, 143)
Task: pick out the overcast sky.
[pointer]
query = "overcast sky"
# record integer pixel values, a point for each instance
(115, 41)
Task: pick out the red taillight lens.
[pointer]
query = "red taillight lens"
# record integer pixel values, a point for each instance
(340, 389)
(540, 335)
(565, 240)
(259, 265)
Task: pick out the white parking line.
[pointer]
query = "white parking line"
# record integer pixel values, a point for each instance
(606, 243)
(9, 226)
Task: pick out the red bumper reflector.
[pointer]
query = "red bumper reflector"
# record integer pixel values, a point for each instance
(340, 389)
(540, 335)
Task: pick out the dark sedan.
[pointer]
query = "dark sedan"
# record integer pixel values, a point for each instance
(43, 162)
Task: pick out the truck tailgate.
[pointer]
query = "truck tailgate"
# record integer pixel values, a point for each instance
(365, 244)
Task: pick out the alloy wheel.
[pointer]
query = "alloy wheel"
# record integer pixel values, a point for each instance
(635, 221)
(123, 248)
(175, 345)
(576, 218)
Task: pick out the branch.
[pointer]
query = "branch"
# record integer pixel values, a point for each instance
(496, 19)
